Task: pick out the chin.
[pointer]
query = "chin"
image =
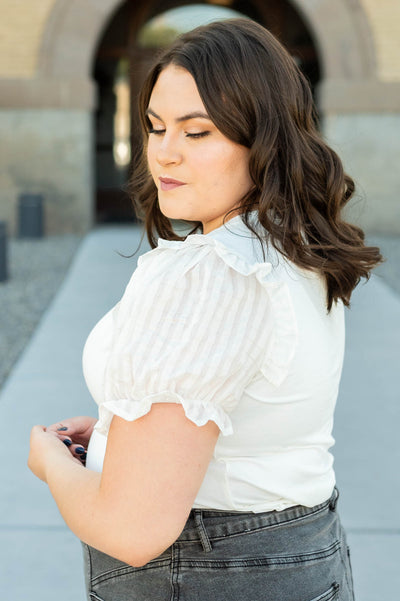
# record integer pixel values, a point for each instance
(177, 213)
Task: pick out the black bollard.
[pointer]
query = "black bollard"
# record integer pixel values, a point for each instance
(3, 251)
(30, 216)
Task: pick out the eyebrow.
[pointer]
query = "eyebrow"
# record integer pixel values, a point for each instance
(194, 115)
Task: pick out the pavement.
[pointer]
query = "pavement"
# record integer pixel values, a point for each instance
(41, 560)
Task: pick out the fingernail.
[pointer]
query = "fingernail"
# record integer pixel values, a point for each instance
(62, 429)
(67, 442)
(80, 450)
(82, 457)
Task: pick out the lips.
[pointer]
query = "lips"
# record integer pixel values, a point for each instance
(167, 183)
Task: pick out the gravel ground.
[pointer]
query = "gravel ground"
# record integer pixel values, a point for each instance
(37, 268)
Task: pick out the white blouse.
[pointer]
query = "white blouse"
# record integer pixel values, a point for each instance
(235, 339)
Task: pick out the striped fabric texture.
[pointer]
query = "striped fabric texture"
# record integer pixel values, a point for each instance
(196, 324)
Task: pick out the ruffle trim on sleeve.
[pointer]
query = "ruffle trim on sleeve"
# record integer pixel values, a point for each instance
(282, 347)
(199, 412)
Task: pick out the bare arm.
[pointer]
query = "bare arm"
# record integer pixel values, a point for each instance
(138, 506)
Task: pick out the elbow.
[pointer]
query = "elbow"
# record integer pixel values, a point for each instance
(126, 551)
(139, 553)
(137, 546)
(131, 557)
(137, 559)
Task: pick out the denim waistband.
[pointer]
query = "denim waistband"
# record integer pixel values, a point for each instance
(207, 525)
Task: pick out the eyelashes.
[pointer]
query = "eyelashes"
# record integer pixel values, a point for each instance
(159, 132)
(201, 134)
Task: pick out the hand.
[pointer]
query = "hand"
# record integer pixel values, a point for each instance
(75, 433)
(45, 447)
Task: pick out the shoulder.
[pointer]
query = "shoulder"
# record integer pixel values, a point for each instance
(222, 277)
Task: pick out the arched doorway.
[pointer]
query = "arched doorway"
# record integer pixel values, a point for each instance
(126, 49)
(350, 90)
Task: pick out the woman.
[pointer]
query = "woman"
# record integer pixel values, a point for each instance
(208, 472)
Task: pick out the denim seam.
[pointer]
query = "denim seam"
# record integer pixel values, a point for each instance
(283, 560)
(94, 596)
(330, 594)
(90, 563)
(347, 568)
(175, 573)
(126, 571)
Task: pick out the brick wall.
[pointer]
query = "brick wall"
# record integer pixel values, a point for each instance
(21, 28)
(22, 23)
(384, 18)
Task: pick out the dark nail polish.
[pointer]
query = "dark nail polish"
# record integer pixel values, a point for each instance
(80, 451)
(62, 429)
(67, 442)
(82, 457)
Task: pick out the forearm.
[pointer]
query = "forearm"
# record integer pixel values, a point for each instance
(138, 506)
(77, 492)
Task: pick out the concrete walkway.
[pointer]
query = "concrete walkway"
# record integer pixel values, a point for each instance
(41, 561)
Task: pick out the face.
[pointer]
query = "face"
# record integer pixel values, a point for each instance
(199, 173)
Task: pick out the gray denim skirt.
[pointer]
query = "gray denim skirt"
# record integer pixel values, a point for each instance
(298, 554)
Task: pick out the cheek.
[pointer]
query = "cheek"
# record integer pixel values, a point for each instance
(228, 167)
(213, 165)
(150, 155)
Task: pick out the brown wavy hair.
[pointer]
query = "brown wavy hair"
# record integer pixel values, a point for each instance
(256, 96)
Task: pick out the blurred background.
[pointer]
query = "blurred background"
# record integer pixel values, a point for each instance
(70, 72)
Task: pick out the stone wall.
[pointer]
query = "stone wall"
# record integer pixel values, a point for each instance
(47, 100)
(369, 145)
(48, 152)
(22, 23)
(384, 20)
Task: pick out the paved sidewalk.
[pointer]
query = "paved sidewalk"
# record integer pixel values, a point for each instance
(41, 561)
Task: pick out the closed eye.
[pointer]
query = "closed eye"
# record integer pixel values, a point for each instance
(202, 134)
(195, 136)
(156, 131)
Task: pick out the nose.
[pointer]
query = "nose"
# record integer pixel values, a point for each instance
(168, 152)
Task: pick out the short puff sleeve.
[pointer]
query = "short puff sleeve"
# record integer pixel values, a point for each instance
(195, 325)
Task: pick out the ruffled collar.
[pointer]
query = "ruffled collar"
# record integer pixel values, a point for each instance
(233, 226)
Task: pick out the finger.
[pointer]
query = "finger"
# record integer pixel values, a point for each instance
(67, 441)
(69, 428)
(79, 452)
(38, 429)
(58, 427)
(64, 431)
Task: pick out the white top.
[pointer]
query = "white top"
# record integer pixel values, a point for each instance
(245, 343)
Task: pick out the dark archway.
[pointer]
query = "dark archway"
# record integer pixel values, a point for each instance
(120, 65)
